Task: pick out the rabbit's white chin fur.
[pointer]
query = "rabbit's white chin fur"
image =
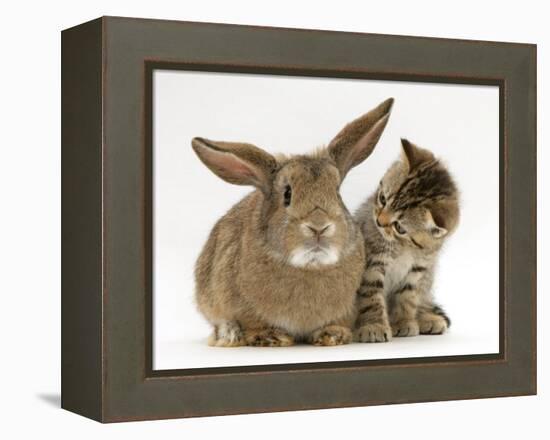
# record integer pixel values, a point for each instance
(307, 257)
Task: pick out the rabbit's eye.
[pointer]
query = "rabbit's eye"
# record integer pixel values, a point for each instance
(382, 198)
(288, 195)
(399, 229)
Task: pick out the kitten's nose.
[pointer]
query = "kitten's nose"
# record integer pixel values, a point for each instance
(383, 220)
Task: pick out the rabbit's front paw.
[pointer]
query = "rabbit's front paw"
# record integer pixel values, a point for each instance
(373, 333)
(331, 335)
(227, 334)
(268, 337)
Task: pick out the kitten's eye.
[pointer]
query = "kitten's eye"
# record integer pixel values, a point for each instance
(287, 195)
(398, 228)
(382, 199)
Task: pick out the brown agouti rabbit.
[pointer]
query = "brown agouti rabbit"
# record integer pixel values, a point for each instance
(284, 264)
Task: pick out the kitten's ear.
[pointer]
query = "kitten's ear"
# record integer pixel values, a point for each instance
(238, 163)
(442, 218)
(438, 232)
(356, 141)
(415, 156)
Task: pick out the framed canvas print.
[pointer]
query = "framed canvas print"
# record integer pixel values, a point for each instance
(263, 219)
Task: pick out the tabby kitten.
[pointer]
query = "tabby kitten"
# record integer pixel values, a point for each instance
(405, 224)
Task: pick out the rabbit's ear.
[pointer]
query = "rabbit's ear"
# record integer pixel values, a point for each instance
(415, 156)
(238, 163)
(356, 141)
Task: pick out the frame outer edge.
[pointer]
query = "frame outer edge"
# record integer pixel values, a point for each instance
(534, 78)
(82, 369)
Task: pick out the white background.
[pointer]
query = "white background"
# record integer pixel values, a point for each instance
(295, 115)
(30, 220)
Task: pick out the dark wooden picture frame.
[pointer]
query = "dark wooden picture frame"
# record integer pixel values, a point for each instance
(107, 67)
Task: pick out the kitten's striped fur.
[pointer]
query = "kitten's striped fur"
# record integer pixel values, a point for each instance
(405, 224)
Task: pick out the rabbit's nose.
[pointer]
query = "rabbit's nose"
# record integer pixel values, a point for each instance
(326, 229)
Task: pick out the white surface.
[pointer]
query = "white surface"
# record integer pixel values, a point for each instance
(295, 115)
(30, 257)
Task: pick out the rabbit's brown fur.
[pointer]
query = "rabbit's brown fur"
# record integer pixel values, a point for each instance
(285, 262)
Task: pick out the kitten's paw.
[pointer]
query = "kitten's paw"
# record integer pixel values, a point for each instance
(268, 337)
(433, 325)
(227, 334)
(405, 328)
(331, 335)
(373, 333)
